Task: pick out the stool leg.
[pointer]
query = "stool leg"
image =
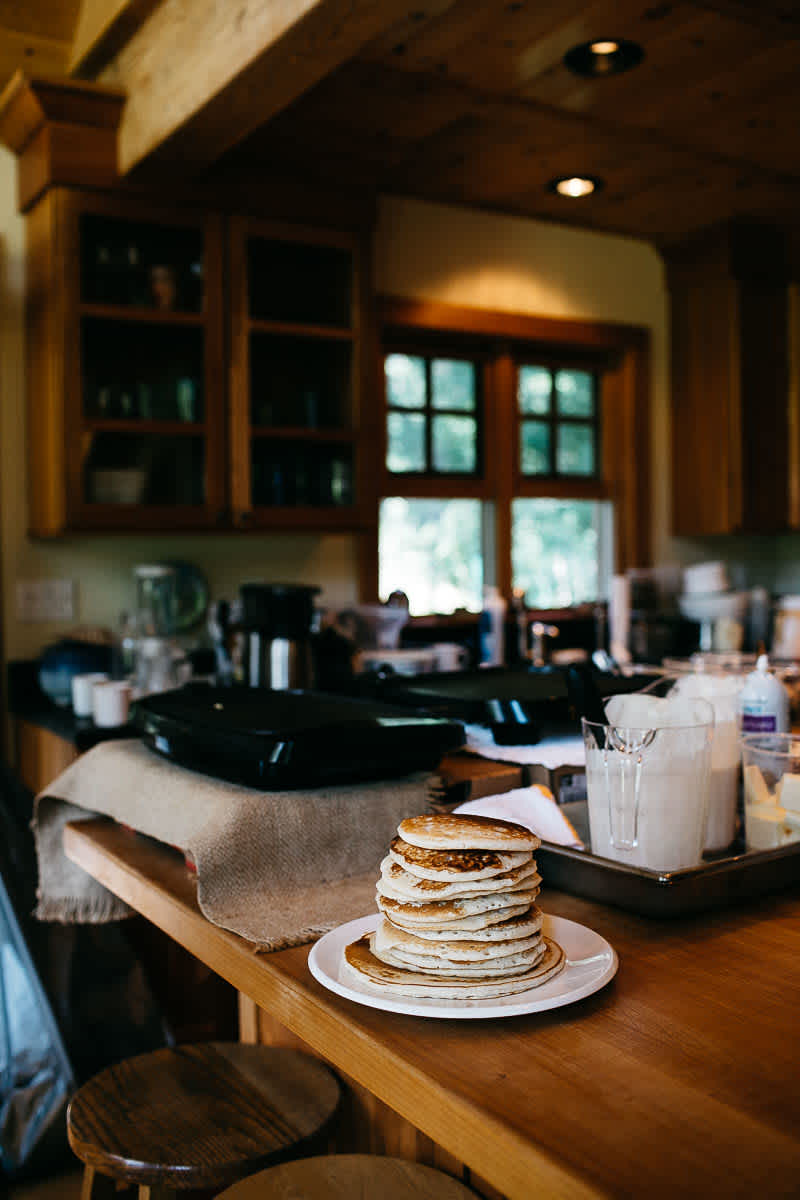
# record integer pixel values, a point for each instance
(155, 1191)
(96, 1186)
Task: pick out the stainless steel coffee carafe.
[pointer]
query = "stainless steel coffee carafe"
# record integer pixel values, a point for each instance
(277, 624)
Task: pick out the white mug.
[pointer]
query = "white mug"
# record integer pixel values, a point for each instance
(82, 686)
(450, 656)
(111, 700)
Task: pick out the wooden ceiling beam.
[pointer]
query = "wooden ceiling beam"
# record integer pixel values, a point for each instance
(200, 75)
(102, 29)
(775, 16)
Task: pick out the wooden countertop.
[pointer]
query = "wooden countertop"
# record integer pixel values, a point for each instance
(681, 1078)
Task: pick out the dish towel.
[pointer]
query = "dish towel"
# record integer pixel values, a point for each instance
(533, 807)
(279, 868)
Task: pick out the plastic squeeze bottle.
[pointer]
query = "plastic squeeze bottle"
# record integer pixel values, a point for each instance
(491, 627)
(764, 701)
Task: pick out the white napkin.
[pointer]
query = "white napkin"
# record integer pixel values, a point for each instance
(562, 751)
(533, 807)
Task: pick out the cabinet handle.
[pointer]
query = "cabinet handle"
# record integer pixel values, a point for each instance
(245, 517)
(220, 516)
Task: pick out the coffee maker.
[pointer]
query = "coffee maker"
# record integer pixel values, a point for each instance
(276, 626)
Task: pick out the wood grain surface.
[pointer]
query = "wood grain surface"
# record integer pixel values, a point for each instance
(200, 1116)
(345, 1176)
(680, 1074)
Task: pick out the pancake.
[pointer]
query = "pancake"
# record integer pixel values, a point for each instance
(458, 971)
(460, 913)
(363, 970)
(393, 937)
(399, 882)
(451, 866)
(405, 946)
(452, 831)
(523, 925)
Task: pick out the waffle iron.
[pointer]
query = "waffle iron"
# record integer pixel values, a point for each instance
(288, 739)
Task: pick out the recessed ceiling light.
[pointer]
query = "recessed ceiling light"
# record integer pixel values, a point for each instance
(603, 56)
(575, 185)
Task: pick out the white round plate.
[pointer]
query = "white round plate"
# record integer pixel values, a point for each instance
(591, 963)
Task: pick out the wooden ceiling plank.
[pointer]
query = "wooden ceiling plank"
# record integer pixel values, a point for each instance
(681, 56)
(214, 72)
(53, 20)
(510, 54)
(781, 17)
(30, 53)
(103, 27)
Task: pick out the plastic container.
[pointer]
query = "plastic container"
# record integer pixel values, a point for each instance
(763, 701)
(786, 642)
(722, 691)
(491, 628)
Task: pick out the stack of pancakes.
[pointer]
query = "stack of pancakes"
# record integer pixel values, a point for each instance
(456, 894)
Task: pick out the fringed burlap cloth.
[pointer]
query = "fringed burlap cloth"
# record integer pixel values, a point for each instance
(279, 868)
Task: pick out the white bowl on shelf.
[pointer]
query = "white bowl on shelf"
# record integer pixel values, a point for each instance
(118, 485)
(714, 606)
(705, 578)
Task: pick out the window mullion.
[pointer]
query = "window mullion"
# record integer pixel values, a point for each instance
(428, 414)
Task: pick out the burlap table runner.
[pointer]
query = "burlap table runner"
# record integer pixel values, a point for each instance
(279, 868)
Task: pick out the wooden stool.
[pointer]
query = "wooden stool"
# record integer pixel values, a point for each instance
(343, 1176)
(197, 1117)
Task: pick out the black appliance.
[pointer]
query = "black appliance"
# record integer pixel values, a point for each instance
(277, 622)
(519, 705)
(273, 739)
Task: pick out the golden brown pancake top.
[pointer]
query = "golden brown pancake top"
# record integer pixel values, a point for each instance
(448, 860)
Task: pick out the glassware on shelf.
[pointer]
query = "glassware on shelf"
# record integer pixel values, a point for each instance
(163, 286)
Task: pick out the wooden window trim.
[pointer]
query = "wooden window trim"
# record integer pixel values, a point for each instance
(620, 350)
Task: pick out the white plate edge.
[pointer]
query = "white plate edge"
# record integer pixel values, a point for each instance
(479, 1010)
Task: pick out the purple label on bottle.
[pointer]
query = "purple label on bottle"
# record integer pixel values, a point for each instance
(753, 724)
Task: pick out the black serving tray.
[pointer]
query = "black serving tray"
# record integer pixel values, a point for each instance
(722, 880)
(288, 739)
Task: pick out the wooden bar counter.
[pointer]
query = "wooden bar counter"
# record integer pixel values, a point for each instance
(680, 1078)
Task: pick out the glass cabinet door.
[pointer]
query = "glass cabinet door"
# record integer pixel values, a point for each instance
(147, 384)
(295, 376)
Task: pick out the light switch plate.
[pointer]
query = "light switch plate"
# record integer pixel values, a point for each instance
(46, 600)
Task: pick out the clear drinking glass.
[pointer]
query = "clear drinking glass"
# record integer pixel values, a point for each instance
(771, 763)
(647, 791)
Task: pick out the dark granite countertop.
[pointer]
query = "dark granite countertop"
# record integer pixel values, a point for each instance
(28, 702)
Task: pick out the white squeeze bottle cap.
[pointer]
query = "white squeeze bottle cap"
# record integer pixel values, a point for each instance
(764, 701)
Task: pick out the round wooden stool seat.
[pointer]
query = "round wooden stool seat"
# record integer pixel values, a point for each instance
(344, 1176)
(198, 1116)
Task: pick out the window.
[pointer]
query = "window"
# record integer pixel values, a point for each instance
(496, 468)
(431, 550)
(431, 415)
(561, 550)
(557, 413)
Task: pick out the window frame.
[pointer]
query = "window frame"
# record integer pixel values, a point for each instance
(446, 348)
(620, 353)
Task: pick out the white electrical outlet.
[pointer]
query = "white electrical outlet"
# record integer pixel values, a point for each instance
(46, 600)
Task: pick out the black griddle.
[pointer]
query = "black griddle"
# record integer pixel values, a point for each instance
(289, 739)
(518, 704)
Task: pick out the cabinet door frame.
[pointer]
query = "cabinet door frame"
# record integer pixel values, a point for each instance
(245, 514)
(63, 210)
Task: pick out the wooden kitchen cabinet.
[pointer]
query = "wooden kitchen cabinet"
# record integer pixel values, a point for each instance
(189, 367)
(139, 419)
(126, 382)
(734, 465)
(296, 375)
